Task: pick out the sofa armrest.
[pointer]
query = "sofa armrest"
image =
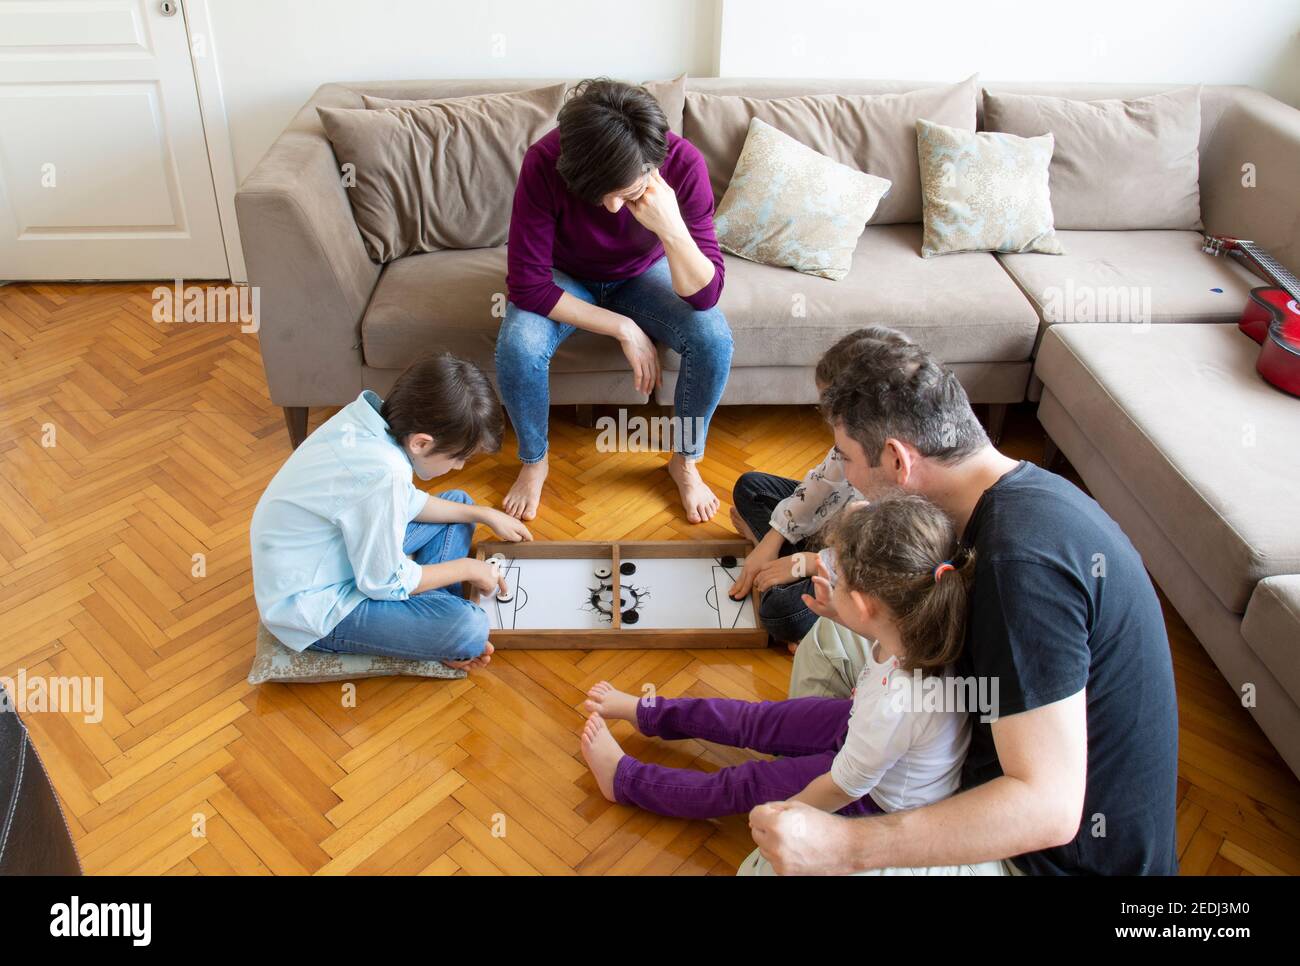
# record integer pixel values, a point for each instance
(1260, 131)
(308, 262)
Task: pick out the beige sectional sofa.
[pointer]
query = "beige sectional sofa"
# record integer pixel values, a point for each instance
(1147, 434)
(1198, 460)
(334, 322)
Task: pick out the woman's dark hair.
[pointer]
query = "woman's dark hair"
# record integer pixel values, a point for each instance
(891, 550)
(449, 399)
(610, 134)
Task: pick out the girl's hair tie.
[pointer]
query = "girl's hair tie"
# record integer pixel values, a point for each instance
(942, 569)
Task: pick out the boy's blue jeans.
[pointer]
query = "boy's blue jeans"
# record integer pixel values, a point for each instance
(438, 625)
(527, 341)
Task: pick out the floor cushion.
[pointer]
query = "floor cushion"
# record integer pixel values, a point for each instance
(276, 662)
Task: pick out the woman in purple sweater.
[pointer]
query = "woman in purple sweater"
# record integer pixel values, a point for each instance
(612, 232)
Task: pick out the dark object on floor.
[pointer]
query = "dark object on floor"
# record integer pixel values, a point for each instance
(627, 570)
(728, 561)
(34, 838)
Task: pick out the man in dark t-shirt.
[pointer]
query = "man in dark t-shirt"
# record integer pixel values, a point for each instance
(1048, 558)
(1075, 770)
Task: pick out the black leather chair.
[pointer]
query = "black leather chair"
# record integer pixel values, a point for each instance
(34, 838)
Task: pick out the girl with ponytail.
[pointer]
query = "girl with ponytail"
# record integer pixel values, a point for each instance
(893, 572)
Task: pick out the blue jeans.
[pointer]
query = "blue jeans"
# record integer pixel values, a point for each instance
(781, 609)
(438, 625)
(527, 341)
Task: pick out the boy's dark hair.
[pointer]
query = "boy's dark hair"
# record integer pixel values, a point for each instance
(891, 549)
(889, 387)
(610, 134)
(451, 400)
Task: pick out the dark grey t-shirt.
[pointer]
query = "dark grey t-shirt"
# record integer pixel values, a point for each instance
(1061, 602)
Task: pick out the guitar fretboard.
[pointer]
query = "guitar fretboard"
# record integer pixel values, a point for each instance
(1273, 269)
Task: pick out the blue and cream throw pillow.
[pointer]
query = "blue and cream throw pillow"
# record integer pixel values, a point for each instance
(984, 192)
(789, 205)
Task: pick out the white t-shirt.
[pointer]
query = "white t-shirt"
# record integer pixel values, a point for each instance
(900, 749)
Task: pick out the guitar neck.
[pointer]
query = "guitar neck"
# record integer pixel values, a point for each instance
(1271, 267)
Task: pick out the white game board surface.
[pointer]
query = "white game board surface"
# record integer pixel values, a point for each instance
(661, 593)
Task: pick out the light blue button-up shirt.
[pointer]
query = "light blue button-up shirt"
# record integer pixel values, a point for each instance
(328, 531)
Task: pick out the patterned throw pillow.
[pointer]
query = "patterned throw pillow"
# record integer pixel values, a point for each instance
(788, 205)
(275, 662)
(984, 192)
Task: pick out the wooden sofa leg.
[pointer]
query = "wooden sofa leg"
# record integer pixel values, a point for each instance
(295, 419)
(585, 415)
(994, 421)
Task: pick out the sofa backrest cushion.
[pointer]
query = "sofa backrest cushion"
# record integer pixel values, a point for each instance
(875, 133)
(1118, 164)
(429, 174)
(433, 175)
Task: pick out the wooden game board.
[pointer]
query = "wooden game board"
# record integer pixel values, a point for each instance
(557, 601)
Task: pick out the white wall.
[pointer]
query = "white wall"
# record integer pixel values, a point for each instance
(273, 53)
(1157, 41)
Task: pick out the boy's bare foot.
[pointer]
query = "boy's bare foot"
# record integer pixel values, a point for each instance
(526, 495)
(697, 499)
(607, 701)
(792, 646)
(742, 527)
(474, 663)
(602, 752)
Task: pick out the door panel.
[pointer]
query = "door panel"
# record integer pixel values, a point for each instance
(103, 167)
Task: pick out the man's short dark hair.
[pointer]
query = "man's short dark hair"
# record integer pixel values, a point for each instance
(610, 134)
(888, 387)
(449, 399)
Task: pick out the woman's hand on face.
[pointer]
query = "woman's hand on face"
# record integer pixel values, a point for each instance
(657, 208)
(642, 357)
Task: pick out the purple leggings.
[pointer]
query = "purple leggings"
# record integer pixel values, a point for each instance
(806, 732)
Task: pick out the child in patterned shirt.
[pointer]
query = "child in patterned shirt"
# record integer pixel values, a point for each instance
(783, 519)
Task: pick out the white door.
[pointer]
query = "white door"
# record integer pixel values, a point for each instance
(103, 167)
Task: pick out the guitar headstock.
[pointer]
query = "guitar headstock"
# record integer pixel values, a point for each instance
(1223, 244)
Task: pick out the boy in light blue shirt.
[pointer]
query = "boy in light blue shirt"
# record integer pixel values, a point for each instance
(349, 556)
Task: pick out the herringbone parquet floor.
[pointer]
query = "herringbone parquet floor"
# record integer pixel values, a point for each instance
(162, 439)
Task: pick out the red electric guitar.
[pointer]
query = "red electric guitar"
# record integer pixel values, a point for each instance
(1272, 316)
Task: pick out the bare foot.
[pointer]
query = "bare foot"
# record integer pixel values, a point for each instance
(697, 498)
(607, 701)
(526, 495)
(742, 527)
(474, 663)
(792, 646)
(602, 753)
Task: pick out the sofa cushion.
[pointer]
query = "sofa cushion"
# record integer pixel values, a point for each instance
(1209, 449)
(1118, 164)
(962, 307)
(875, 133)
(454, 301)
(431, 175)
(1272, 628)
(671, 95)
(1132, 276)
(984, 192)
(789, 206)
